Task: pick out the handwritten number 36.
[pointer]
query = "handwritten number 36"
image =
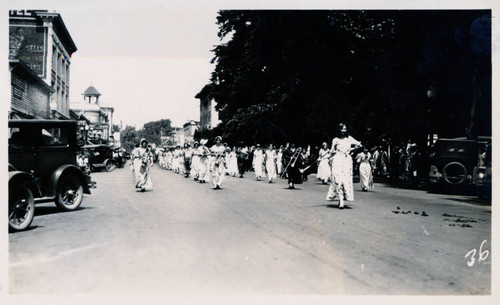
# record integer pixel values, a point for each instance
(483, 255)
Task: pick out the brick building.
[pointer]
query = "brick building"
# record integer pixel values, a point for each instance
(40, 49)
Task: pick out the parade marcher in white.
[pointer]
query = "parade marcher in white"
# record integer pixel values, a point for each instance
(279, 160)
(258, 162)
(217, 164)
(324, 170)
(132, 157)
(203, 167)
(142, 165)
(270, 160)
(365, 169)
(195, 161)
(232, 166)
(341, 186)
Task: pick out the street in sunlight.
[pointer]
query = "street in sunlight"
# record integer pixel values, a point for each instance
(253, 237)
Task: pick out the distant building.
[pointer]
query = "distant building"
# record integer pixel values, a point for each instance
(100, 116)
(209, 118)
(189, 129)
(177, 136)
(40, 49)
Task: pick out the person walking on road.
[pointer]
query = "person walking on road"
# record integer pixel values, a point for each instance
(217, 164)
(242, 157)
(142, 166)
(279, 160)
(187, 159)
(195, 161)
(365, 161)
(232, 164)
(293, 161)
(270, 160)
(324, 170)
(203, 165)
(341, 186)
(258, 162)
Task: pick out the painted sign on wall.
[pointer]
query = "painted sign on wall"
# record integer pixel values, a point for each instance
(29, 44)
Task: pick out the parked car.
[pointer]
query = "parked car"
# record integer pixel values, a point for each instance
(456, 162)
(100, 156)
(42, 168)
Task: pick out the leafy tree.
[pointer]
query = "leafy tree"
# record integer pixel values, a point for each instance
(129, 137)
(293, 75)
(153, 131)
(284, 76)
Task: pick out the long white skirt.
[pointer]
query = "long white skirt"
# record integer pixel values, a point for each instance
(271, 170)
(365, 175)
(324, 170)
(142, 176)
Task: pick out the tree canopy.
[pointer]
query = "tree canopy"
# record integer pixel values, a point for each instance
(151, 131)
(294, 75)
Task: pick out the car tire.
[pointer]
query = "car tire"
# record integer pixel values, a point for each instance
(69, 194)
(454, 173)
(21, 208)
(109, 165)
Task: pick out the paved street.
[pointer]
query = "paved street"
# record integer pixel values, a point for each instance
(253, 237)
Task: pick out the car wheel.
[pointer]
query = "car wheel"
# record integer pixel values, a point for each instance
(109, 165)
(69, 193)
(454, 173)
(21, 208)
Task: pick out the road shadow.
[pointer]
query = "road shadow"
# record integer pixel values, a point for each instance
(30, 228)
(48, 210)
(473, 201)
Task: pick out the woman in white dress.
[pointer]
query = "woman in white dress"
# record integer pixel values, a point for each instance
(270, 160)
(258, 162)
(195, 161)
(142, 166)
(203, 164)
(218, 163)
(324, 169)
(341, 187)
(365, 169)
(279, 160)
(233, 163)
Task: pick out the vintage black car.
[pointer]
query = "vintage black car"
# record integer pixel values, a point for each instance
(100, 156)
(457, 162)
(42, 168)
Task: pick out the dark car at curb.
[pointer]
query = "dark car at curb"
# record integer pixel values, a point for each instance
(43, 168)
(460, 162)
(100, 156)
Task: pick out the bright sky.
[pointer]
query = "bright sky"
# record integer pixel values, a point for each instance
(148, 63)
(149, 58)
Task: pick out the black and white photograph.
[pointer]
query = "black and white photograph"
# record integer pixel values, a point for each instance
(325, 152)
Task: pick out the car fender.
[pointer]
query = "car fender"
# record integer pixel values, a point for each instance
(23, 178)
(68, 169)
